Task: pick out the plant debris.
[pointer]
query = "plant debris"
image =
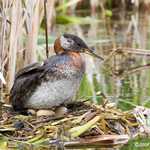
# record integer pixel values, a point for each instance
(97, 125)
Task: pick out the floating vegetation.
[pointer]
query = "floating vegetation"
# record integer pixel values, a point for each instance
(85, 124)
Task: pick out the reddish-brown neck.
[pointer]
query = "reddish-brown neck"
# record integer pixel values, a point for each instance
(77, 60)
(76, 57)
(57, 47)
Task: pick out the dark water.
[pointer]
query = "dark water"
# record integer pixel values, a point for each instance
(117, 78)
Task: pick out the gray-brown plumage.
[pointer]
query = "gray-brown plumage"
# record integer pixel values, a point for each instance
(56, 81)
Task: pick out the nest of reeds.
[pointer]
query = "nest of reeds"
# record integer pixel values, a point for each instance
(85, 124)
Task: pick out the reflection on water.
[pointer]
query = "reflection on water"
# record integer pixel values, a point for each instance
(114, 78)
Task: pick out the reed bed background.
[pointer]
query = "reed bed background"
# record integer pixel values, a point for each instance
(20, 22)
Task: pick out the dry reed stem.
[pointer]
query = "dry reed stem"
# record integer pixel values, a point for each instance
(14, 34)
(33, 27)
(50, 13)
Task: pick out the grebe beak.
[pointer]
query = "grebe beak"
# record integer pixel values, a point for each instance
(90, 52)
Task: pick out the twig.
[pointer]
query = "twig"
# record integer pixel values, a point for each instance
(47, 120)
(136, 69)
(134, 51)
(101, 140)
(46, 30)
(132, 70)
(126, 50)
(111, 54)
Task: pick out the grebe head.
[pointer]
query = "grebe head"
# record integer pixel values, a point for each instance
(70, 42)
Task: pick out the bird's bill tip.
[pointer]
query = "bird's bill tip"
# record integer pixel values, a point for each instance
(91, 52)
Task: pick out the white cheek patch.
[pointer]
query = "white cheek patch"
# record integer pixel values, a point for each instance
(65, 43)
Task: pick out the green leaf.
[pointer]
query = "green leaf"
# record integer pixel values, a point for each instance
(147, 104)
(108, 13)
(65, 19)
